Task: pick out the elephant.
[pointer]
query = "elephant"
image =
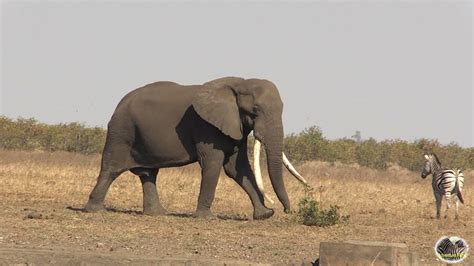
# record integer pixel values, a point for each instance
(165, 124)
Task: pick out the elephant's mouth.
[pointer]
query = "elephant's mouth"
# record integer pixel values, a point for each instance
(258, 173)
(258, 137)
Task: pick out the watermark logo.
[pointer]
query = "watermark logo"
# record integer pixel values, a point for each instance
(451, 249)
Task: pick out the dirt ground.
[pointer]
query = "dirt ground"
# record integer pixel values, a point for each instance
(41, 196)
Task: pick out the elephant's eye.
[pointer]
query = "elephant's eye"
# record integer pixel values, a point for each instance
(255, 110)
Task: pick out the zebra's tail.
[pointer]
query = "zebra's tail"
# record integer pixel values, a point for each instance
(458, 185)
(460, 196)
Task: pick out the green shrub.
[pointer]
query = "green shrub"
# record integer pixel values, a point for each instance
(310, 213)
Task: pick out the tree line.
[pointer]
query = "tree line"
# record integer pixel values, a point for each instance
(29, 134)
(308, 145)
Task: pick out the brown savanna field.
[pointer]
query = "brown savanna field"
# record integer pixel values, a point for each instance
(393, 205)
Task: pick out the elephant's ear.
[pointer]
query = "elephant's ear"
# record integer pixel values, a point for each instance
(218, 106)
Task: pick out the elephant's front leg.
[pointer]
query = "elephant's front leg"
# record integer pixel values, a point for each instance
(238, 168)
(211, 164)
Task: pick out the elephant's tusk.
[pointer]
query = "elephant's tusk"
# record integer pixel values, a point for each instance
(256, 168)
(292, 170)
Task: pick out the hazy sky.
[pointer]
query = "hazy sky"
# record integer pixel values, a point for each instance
(390, 69)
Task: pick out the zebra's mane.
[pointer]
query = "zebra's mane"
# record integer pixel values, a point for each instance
(437, 159)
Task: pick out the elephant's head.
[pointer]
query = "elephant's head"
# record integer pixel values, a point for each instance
(237, 106)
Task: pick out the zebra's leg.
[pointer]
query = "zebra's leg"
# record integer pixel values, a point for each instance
(438, 198)
(457, 207)
(448, 203)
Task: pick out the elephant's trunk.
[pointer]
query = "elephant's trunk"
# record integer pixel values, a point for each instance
(258, 172)
(278, 179)
(273, 147)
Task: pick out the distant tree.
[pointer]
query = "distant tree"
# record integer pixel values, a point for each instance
(357, 137)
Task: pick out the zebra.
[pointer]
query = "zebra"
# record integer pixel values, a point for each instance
(445, 182)
(451, 249)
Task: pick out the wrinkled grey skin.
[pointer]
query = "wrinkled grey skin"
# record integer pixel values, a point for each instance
(165, 124)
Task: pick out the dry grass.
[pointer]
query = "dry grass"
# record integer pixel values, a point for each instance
(394, 206)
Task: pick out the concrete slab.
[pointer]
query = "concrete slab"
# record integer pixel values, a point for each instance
(366, 253)
(23, 256)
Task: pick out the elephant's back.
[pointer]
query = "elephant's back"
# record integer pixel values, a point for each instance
(149, 90)
(156, 108)
(162, 96)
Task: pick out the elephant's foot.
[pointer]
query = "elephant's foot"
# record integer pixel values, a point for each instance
(154, 211)
(94, 207)
(263, 213)
(205, 213)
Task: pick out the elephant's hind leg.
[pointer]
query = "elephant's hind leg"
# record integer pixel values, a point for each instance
(114, 158)
(97, 196)
(151, 200)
